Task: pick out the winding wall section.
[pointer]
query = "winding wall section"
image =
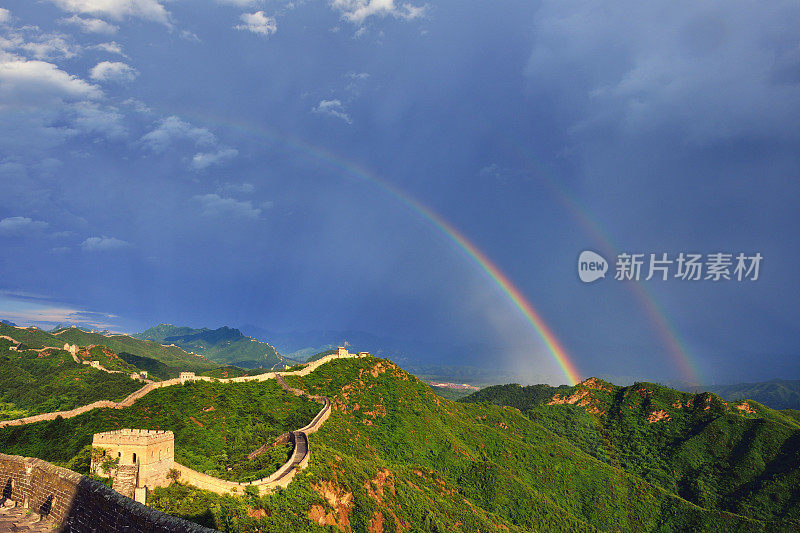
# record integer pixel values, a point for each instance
(301, 453)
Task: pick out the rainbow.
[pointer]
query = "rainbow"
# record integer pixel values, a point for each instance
(491, 270)
(656, 315)
(497, 276)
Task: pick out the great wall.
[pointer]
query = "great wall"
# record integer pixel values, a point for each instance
(71, 502)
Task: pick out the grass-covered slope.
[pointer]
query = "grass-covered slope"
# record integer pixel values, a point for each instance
(515, 395)
(33, 382)
(31, 337)
(493, 456)
(224, 345)
(740, 457)
(106, 357)
(172, 356)
(228, 371)
(216, 425)
(394, 456)
(155, 369)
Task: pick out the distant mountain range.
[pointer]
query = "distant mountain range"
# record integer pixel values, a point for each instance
(174, 357)
(776, 393)
(412, 354)
(222, 345)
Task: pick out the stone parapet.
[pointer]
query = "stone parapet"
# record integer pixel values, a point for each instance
(71, 502)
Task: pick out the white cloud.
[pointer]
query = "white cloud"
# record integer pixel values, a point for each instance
(234, 188)
(201, 161)
(189, 36)
(172, 129)
(113, 71)
(90, 25)
(137, 105)
(25, 82)
(117, 9)
(5, 15)
(333, 108)
(42, 106)
(47, 46)
(258, 23)
(240, 3)
(32, 41)
(214, 205)
(16, 225)
(37, 310)
(111, 47)
(102, 244)
(90, 117)
(357, 11)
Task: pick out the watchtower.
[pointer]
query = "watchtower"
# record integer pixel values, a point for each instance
(145, 458)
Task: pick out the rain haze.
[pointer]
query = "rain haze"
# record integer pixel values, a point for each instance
(426, 173)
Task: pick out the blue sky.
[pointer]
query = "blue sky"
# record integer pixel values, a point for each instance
(161, 161)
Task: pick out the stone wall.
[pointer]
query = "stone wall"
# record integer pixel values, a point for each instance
(321, 417)
(152, 451)
(74, 503)
(206, 482)
(281, 478)
(128, 401)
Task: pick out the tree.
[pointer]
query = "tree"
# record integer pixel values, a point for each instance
(173, 475)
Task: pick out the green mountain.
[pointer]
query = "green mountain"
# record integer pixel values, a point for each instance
(515, 395)
(777, 393)
(739, 457)
(394, 456)
(154, 368)
(224, 345)
(320, 355)
(216, 426)
(49, 379)
(174, 357)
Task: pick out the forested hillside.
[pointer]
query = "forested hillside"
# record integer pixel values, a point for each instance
(224, 345)
(34, 381)
(738, 456)
(394, 456)
(174, 357)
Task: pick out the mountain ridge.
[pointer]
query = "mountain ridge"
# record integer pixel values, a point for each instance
(395, 456)
(224, 345)
(734, 456)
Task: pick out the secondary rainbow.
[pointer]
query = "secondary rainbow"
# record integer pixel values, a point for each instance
(657, 316)
(491, 270)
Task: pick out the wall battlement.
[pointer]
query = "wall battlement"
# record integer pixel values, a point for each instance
(133, 437)
(143, 457)
(71, 502)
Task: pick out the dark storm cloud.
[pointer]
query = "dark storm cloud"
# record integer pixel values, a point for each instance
(194, 173)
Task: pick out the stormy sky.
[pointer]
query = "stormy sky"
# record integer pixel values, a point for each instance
(233, 162)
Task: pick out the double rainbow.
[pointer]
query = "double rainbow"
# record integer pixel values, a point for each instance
(488, 267)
